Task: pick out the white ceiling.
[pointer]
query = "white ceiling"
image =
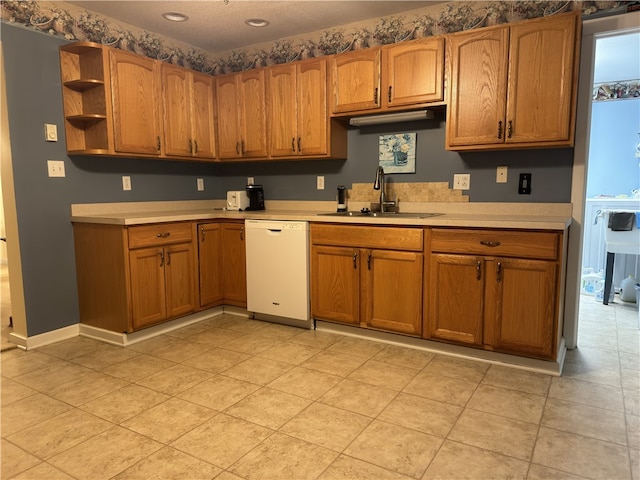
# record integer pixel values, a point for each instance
(216, 26)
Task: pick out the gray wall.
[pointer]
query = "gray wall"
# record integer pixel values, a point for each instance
(43, 203)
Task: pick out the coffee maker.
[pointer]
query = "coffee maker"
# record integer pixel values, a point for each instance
(256, 197)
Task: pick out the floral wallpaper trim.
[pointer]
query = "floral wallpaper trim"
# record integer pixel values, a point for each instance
(63, 19)
(616, 90)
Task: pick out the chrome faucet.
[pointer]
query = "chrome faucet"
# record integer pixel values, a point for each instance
(378, 184)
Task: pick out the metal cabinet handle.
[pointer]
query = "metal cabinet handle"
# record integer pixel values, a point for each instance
(195, 146)
(190, 146)
(500, 129)
(390, 88)
(488, 243)
(510, 129)
(163, 234)
(293, 144)
(242, 147)
(242, 233)
(369, 261)
(375, 95)
(355, 260)
(498, 271)
(168, 258)
(202, 234)
(161, 258)
(237, 148)
(158, 142)
(478, 270)
(299, 140)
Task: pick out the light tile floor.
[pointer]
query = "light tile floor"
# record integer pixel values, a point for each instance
(233, 398)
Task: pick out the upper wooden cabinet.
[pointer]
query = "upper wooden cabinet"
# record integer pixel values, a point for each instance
(413, 72)
(242, 120)
(299, 124)
(514, 86)
(188, 113)
(389, 78)
(135, 87)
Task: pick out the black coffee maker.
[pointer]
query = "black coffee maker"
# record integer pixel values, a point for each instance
(256, 197)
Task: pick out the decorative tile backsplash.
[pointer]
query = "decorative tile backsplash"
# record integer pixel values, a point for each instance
(407, 192)
(67, 20)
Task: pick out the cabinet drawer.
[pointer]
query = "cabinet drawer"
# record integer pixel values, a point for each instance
(506, 243)
(159, 234)
(390, 238)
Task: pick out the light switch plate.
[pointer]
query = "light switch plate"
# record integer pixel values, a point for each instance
(126, 183)
(320, 182)
(56, 168)
(50, 132)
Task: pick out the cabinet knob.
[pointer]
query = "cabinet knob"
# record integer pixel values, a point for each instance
(163, 234)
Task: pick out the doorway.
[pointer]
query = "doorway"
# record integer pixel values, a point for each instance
(593, 30)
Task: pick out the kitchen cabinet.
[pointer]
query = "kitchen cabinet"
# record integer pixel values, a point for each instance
(84, 68)
(514, 86)
(399, 76)
(242, 119)
(135, 87)
(367, 276)
(222, 263)
(299, 124)
(495, 289)
(130, 278)
(188, 100)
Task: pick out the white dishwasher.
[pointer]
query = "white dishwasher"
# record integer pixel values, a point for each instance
(278, 271)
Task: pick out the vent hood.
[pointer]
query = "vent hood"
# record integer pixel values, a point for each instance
(391, 118)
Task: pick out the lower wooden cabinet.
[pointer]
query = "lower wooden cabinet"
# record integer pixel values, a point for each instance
(130, 278)
(222, 264)
(502, 301)
(367, 276)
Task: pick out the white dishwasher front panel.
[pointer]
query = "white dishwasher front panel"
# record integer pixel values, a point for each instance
(278, 269)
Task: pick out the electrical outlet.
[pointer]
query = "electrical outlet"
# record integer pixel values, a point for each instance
(200, 184)
(50, 133)
(250, 181)
(56, 168)
(501, 175)
(461, 181)
(320, 182)
(126, 183)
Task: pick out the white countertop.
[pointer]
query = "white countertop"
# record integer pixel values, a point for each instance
(485, 215)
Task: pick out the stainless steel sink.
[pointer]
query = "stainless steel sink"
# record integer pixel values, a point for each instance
(381, 214)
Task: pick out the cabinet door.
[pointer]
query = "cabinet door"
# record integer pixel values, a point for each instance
(202, 116)
(456, 298)
(335, 285)
(523, 294)
(253, 113)
(413, 72)
(356, 81)
(179, 279)
(392, 290)
(311, 94)
(228, 117)
(210, 263)
(476, 111)
(234, 268)
(148, 297)
(541, 65)
(282, 110)
(135, 82)
(177, 123)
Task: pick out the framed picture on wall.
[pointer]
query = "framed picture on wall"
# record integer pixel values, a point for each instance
(397, 153)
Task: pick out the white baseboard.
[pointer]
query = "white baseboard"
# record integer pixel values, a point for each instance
(523, 363)
(47, 338)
